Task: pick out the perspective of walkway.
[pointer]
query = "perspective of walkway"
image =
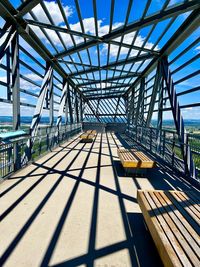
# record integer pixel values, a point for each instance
(76, 207)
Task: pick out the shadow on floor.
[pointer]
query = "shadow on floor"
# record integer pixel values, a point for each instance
(137, 240)
(143, 244)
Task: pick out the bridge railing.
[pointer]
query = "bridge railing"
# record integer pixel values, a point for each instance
(167, 146)
(47, 138)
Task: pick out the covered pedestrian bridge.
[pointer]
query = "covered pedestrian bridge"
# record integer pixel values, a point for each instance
(128, 71)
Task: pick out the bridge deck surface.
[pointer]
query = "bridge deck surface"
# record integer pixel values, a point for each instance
(75, 207)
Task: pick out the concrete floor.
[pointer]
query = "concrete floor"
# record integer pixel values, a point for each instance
(75, 207)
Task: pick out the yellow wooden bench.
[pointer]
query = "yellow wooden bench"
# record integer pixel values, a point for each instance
(91, 132)
(133, 159)
(144, 160)
(127, 158)
(173, 219)
(85, 137)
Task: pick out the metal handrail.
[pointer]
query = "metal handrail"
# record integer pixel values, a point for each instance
(167, 145)
(47, 138)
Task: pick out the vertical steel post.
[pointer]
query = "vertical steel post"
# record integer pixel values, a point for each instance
(16, 96)
(51, 101)
(66, 104)
(160, 116)
(156, 86)
(81, 108)
(70, 105)
(9, 92)
(138, 116)
(62, 105)
(38, 111)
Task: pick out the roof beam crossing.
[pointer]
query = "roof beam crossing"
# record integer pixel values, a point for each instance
(87, 36)
(159, 16)
(120, 77)
(27, 6)
(114, 64)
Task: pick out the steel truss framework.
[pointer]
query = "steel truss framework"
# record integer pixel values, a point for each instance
(141, 79)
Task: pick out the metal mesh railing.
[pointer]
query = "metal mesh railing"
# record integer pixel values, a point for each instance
(167, 146)
(11, 153)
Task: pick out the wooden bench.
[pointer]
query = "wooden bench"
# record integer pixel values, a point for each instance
(127, 158)
(85, 137)
(173, 219)
(91, 132)
(144, 160)
(133, 159)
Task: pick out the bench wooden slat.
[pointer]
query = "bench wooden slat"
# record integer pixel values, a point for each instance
(194, 205)
(91, 131)
(127, 158)
(152, 219)
(186, 205)
(168, 232)
(178, 230)
(182, 210)
(131, 158)
(145, 161)
(177, 241)
(180, 220)
(86, 136)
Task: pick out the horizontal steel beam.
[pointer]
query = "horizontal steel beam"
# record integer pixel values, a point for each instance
(27, 6)
(61, 29)
(120, 77)
(106, 88)
(106, 114)
(116, 95)
(114, 64)
(88, 36)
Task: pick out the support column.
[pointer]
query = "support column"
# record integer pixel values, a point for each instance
(51, 101)
(15, 96)
(160, 116)
(66, 104)
(81, 108)
(38, 111)
(138, 116)
(156, 86)
(117, 105)
(9, 85)
(76, 107)
(62, 104)
(40, 102)
(70, 105)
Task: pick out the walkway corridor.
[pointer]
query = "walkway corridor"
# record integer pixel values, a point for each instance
(75, 207)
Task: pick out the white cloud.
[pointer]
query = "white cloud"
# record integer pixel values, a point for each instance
(5, 109)
(27, 85)
(128, 38)
(57, 18)
(89, 27)
(3, 79)
(54, 11)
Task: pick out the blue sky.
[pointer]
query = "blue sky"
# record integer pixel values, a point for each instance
(103, 17)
